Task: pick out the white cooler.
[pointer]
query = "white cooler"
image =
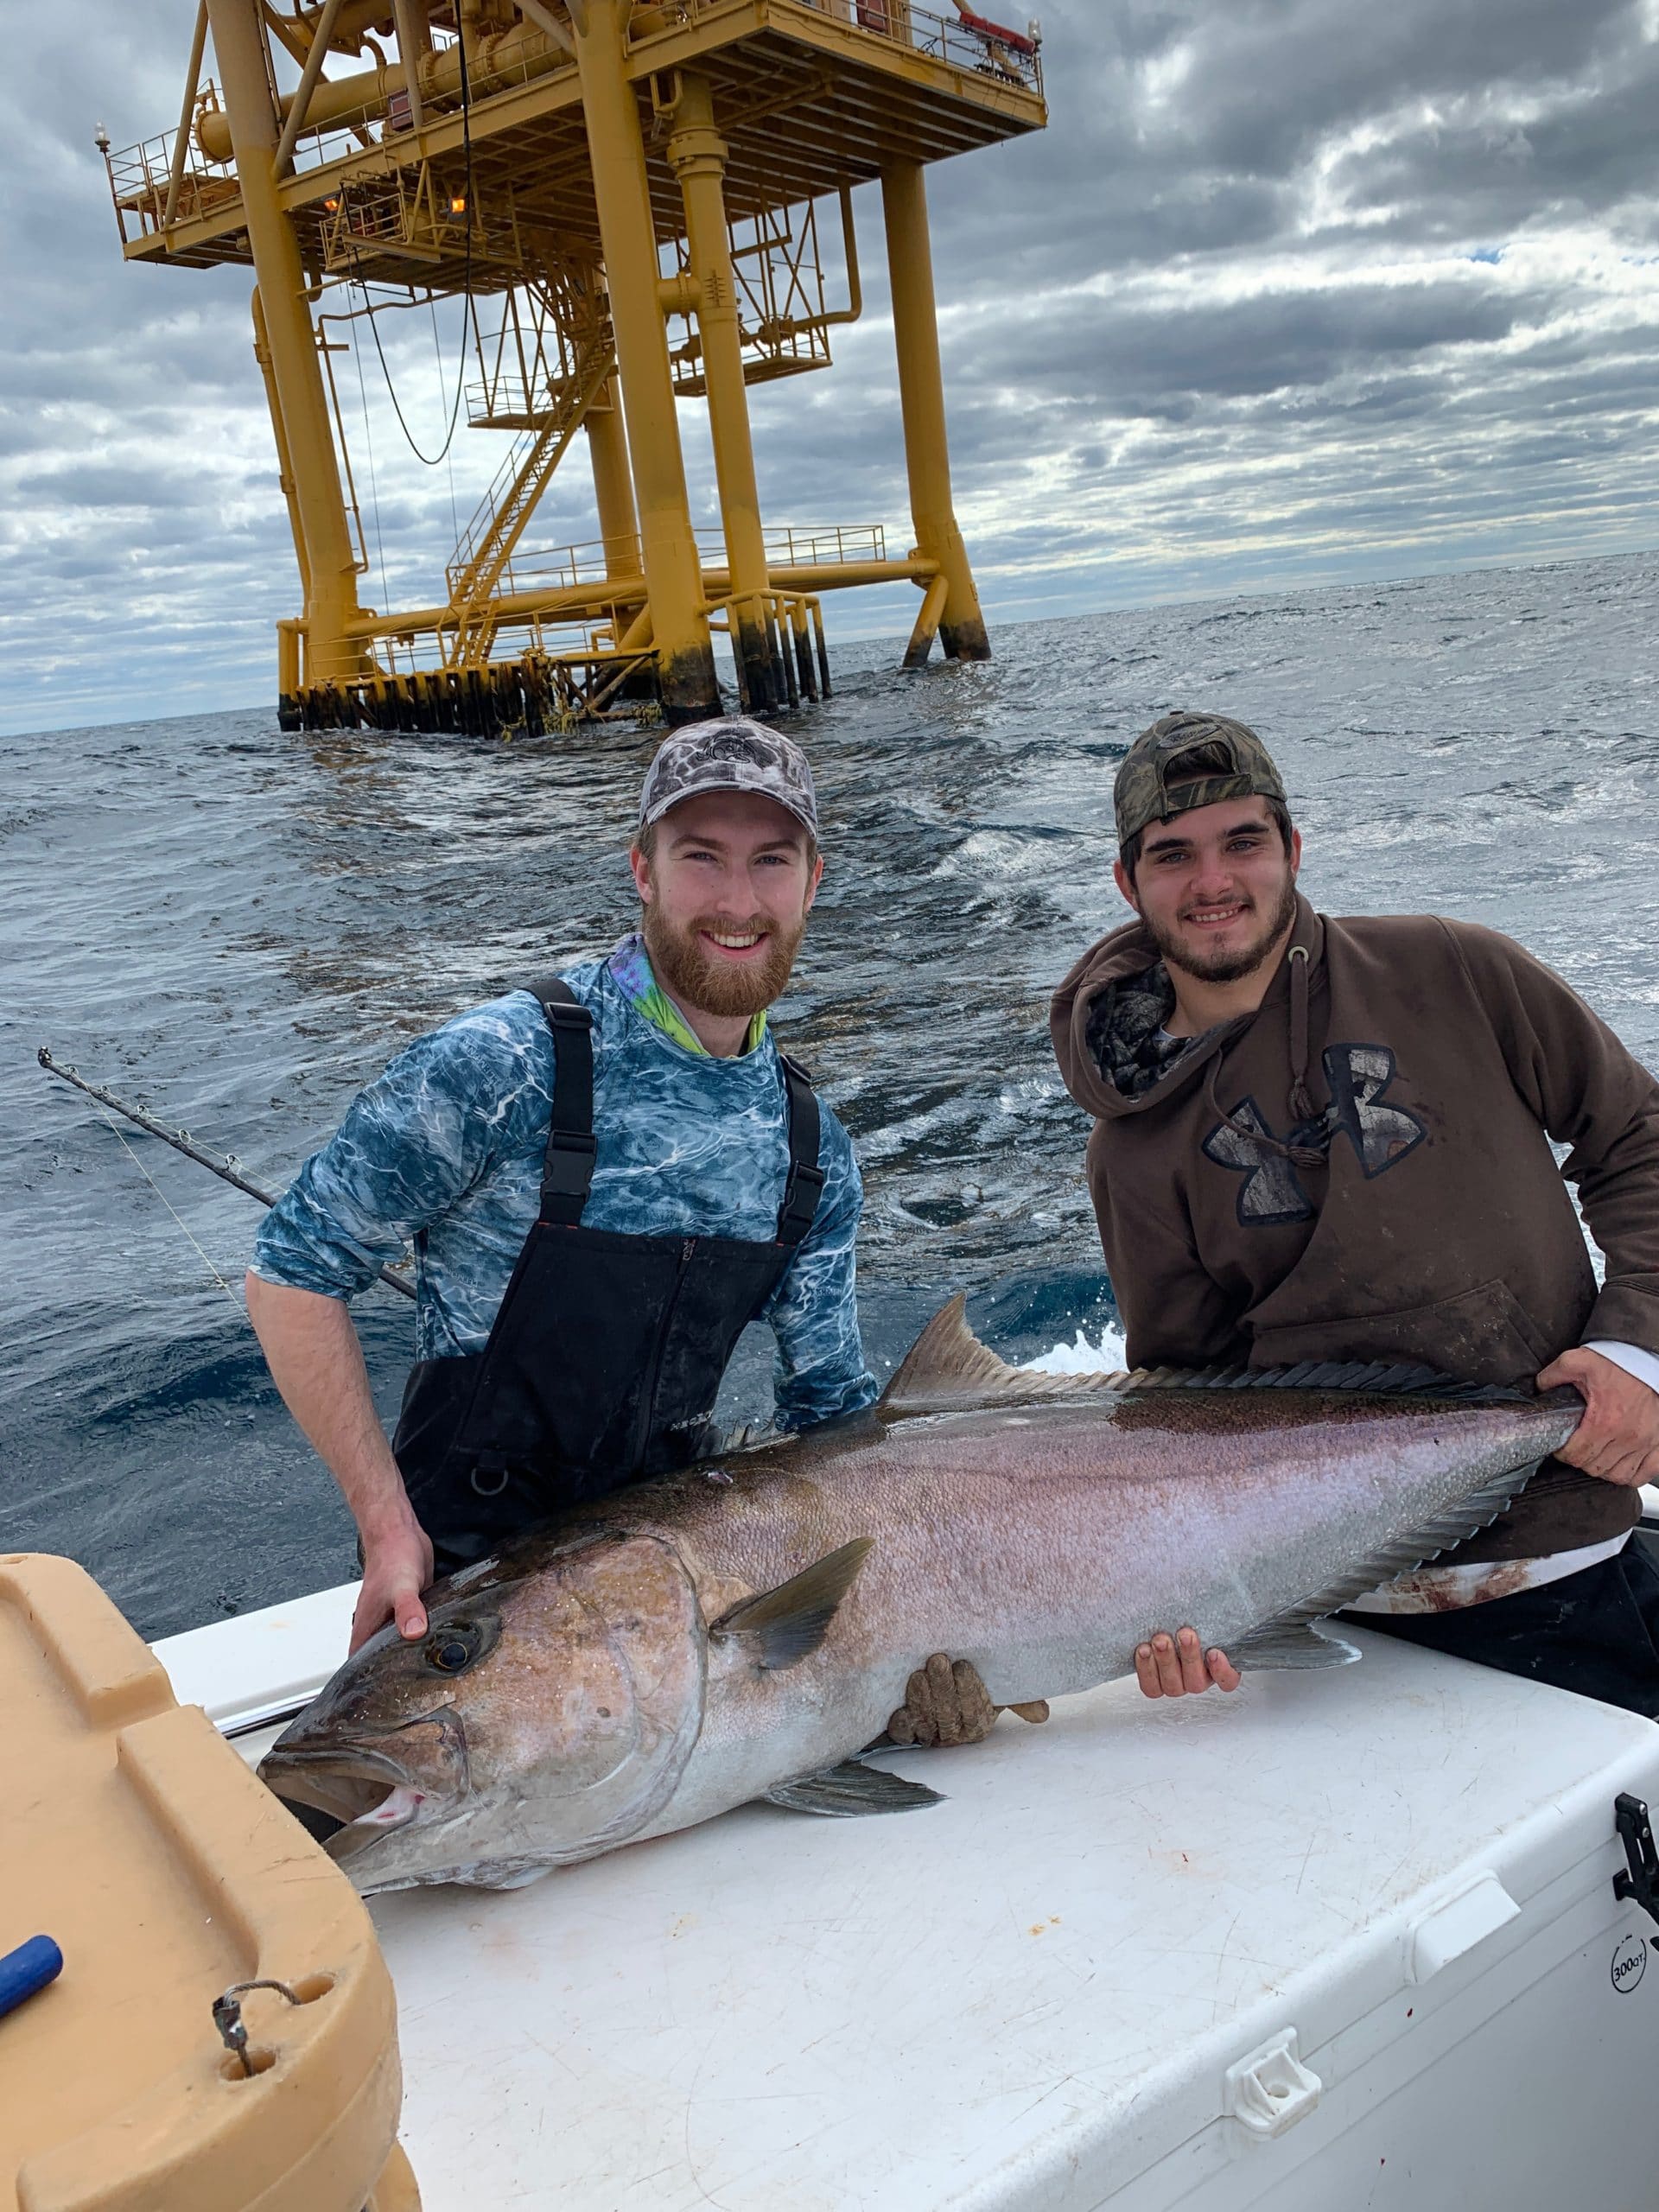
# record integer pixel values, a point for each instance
(1341, 1940)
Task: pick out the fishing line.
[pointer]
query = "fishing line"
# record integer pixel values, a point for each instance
(206, 1262)
(469, 314)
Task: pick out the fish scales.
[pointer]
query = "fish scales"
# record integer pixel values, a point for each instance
(624, 1675)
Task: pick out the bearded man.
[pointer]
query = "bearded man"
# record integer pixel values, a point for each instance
(1324, 1139)
(604, 1176)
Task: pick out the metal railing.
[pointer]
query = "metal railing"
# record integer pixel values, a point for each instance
(977, 45)
(141, 178)
(788, 546)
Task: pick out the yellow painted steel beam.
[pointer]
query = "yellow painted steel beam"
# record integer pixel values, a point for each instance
(607, 448)
(284, 460)
(324, 546)
(697, 153)
(921, 395)
(181, 142)
(616, 149)
(574, 601)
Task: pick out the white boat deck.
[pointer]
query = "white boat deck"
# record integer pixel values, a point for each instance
(1024, 1998)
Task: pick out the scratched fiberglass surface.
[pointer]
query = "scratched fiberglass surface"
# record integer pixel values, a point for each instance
(239, 926)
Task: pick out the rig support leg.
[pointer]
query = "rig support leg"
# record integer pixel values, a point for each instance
(697, 153)
(284, 460)
(921, 395)
(323, 542)
(607, 448)
(685, 658)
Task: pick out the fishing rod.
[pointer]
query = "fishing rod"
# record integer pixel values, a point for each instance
(227, 1169)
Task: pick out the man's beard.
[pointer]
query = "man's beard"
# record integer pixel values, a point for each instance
(713, 986)
(1231, 966)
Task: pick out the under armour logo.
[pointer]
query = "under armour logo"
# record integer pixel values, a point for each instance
(1382, 1136)
(1272, 1190)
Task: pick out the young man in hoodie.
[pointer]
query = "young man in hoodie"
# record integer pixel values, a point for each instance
(1324, 1139)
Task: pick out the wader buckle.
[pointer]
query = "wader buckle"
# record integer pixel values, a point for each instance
(568, 1168)
(800, 1205)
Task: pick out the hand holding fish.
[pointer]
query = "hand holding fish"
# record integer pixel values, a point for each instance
(945, 1702)
(1617, 1440)
(396, 1567)
(1176, 1666)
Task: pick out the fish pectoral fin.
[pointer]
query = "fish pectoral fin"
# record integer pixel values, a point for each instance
(844, 1791)
(785, 1625)
(1291, 1643)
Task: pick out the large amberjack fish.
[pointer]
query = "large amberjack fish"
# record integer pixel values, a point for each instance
(741, 1629)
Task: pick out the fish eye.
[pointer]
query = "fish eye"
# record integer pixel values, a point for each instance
(453, 1650)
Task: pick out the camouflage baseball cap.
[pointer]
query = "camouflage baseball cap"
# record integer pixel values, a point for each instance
(1143, 792)
(730, 754)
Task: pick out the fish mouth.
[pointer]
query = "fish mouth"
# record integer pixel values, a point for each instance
(365, 1794)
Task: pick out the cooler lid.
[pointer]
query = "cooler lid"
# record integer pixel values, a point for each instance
(1016, 2000)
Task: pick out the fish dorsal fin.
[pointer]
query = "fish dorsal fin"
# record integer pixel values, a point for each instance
(947, 1369)
(947, 1365)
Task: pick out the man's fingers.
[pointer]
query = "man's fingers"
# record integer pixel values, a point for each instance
(975, 1714)
(942, 1699)
(365, 1624)
(916, 1715)
(1195, 1672)
(1179, 1666)
(411, 1617)
(1168, 1661)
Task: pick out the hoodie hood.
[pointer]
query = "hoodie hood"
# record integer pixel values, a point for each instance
(1106, 1017)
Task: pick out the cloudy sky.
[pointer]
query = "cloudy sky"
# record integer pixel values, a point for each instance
(1290, 291)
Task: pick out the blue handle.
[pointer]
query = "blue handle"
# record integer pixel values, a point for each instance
(27, 1969)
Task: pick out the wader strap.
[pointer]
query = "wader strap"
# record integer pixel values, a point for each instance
(805, 1176)
(567, 1170)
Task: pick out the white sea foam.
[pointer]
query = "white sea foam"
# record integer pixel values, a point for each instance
(1082, 1358)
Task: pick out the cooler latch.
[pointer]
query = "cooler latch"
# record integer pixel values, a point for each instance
(1640, 1881)
(1271, 2089)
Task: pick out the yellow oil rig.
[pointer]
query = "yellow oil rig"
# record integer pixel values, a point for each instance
(627, 193)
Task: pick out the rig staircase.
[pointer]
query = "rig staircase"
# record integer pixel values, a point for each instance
(487, 542)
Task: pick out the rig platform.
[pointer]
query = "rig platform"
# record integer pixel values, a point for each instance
(628, 198)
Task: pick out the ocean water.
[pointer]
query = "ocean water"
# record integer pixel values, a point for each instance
(238, 927)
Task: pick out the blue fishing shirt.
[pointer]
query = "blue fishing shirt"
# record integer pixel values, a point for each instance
(444, 1150)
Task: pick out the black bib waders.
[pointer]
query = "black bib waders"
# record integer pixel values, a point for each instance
(607, 1355)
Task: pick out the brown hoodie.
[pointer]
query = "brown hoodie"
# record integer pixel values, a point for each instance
(1404, 1204)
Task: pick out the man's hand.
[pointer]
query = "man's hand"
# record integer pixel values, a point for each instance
(1618, 1440)
(396, 1567)
(1175, 1667)
(947, 1703)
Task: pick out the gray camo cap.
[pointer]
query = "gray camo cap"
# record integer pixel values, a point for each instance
(1143, 793)
(730, 754)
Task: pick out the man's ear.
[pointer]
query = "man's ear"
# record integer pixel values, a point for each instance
(812, 888)
(1125, 883)
(641, 868)
(1295, 853)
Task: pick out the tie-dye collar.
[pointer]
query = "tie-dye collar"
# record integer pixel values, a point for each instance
(631, 965)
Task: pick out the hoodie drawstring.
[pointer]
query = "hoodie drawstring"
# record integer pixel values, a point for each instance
(1301, 1104)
